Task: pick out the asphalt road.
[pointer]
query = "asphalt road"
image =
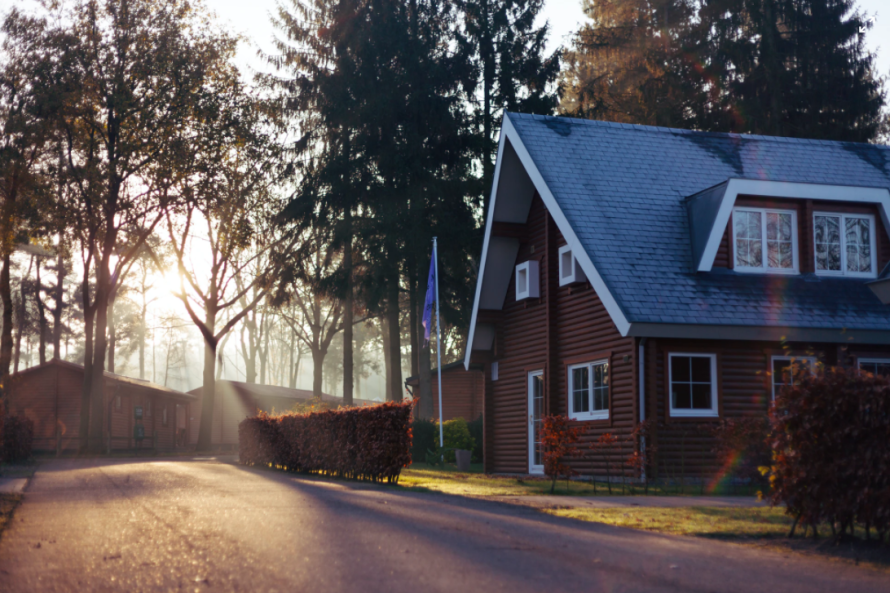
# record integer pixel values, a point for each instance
(100, 525)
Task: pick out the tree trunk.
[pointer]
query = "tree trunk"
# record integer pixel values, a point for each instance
(264, 351)
(425, 408)
(41, 317)
(86, 388)
(144, 313)
(387, 367)
(6, 332)
(395, 353)
(291, 374)
(100, 349)
(317, 371)
(348, 315)
(112, 334)
(208, 390)
(61, 272)
(23, 311)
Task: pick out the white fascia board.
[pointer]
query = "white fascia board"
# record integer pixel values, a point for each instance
(488, 220)
(785, 189)
(609, 302)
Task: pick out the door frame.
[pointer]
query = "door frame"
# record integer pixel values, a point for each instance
(530, 427)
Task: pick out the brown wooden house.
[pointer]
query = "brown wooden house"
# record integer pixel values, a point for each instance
(632, 273)
(50, 395)
(462, 391)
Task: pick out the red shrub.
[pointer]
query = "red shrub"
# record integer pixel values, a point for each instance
(18, 436)
(369, 443)
(558, 438)
(831, 459)
(742, 448)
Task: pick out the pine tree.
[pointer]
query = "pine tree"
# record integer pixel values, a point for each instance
(630, 65)
(513, 72)
(792, 68)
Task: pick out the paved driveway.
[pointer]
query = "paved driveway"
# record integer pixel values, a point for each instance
(100, 525)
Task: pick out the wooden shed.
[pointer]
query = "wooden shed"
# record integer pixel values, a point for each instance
(50, 395)
(462, 391)
(235, 401)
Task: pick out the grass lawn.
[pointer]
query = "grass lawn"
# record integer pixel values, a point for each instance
(447, 479)
(730, 523)
(761, 526)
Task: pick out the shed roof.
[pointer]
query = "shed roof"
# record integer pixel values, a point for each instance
(257, 390)
(78, 368)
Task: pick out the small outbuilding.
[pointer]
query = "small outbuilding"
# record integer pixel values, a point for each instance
(138, 414)
(462, 391)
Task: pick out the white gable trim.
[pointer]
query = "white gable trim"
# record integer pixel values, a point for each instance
(508, 132)
(783, 189)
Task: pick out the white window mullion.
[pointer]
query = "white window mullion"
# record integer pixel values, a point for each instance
(764, 242)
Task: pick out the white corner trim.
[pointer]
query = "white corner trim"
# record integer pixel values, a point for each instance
(783, 189)
(488, 220)
(581, 255)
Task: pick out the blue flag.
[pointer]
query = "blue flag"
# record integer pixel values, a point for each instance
(428, 304)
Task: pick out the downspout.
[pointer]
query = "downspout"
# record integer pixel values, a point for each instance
(641, 357)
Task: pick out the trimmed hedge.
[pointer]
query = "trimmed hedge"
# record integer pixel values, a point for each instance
(18, 437)
(368, 443)
(831, 459)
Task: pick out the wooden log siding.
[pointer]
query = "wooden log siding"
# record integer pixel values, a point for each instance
(566, 323)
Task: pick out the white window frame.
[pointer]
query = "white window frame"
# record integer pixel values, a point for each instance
(843, 235)
(714, 411)
(811, 359)
(569, 272)
(764, 268)
(532, 289)
(591, 414)
(871, 360)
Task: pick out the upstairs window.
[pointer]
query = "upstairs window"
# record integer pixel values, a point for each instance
(528, 280)
(569, 269)
(765, 240)
(589, 391)
(879, 367)
(845, 244)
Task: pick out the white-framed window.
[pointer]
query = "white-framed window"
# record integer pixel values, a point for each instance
(148, 407)
(164, 415)
(117, 403)
(494, 371)
(844, 244)
(693, 381)
(876, 366)
(784, 368)
(765, 240)
(589, 391)
(569, 269)
(528, 284)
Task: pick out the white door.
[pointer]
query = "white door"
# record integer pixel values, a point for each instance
(535, 421)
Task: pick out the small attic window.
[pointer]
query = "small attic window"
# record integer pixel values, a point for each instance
(527, 280)
(569, 269)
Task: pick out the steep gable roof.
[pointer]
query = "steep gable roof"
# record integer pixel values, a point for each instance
(621, 192)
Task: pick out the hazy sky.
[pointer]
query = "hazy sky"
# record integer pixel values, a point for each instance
(251, 17)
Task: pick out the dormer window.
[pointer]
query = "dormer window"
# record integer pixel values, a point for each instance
(527, 281)
(765, 240)
(845, 244)
(569, 268)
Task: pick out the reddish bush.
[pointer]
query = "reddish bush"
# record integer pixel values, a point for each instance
(558, 439)
(831, 461)
(18, 436)
(742, 448)
(369, 443)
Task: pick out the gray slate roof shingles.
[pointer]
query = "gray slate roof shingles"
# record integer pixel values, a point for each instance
(622, 189)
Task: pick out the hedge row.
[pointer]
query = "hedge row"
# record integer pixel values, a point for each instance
(831, 459)
(368, 443)
(17, 439)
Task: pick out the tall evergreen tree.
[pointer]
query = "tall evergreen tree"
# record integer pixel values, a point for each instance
(791, 68)
(629, 64)
(513, 70)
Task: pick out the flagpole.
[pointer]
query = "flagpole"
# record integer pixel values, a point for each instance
(438, 343)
